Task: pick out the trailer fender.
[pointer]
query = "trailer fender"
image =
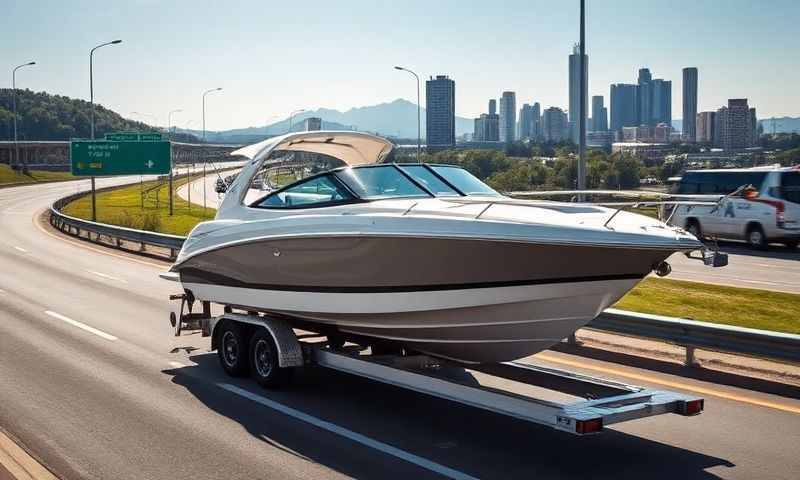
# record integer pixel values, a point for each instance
(290, 354)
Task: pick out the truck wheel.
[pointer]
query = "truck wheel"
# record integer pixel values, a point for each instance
(756, 238)
(264, 361)
(232, 351)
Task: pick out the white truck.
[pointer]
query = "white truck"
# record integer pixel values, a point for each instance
(767, 213)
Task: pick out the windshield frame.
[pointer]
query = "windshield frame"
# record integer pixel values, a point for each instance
(357, 198)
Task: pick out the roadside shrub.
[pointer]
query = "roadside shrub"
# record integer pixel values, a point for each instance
(151, 221)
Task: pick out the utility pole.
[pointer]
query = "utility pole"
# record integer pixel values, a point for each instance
(171, 163)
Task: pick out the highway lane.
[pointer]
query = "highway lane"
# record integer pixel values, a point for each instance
(777, 269)
(94, 390)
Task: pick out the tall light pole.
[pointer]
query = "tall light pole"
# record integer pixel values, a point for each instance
(291, 117)
(582, 77)
(169, 136)
(204, 141)
(419, 108)
(204, 109)
(14, 102)
(91, 102)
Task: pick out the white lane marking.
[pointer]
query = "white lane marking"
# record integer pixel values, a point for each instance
(80, 325)
(109, 277)
(349, 434)
(177, 365)
(20, 249)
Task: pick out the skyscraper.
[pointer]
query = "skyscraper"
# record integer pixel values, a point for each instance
(599, 115)
(555, 125)
(574, 90)
(493, 107)
(536, 128)
(644, 98)
(487, 127)
(661, 102)
(524, 122)
(735, 125)
(690, 104)
(440, 115)
(508, 117)
(623, 106)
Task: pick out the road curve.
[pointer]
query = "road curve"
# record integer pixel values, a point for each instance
(95, 386)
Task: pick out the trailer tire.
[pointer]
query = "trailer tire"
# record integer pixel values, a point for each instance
(232, 349)
(264, 367)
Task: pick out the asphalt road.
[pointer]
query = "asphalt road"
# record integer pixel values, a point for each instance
(776, 269)
(93, 383)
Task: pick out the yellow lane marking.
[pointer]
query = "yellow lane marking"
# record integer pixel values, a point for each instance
(80, 244)
(667, 383)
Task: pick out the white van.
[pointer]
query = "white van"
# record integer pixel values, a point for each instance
(772, 214)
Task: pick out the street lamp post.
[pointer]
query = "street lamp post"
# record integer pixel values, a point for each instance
(14, 102)
(169, 137)
(204, 141)
(91, 102)
(291, 117)
(582, 78)
(419, 108)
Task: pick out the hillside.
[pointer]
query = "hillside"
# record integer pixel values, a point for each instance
(43, 116)
(394, 119)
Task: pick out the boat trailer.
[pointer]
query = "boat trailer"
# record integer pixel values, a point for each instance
(568, 401)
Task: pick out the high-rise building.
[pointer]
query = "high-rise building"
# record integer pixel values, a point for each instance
(575, 92)
(689, 104)
(735, 125)
(440, 116)
(705, 127)
(599, 115)
(555, 125)
(508, 117)
(525, 122)
(644, 97)
(487, 127)
(312, 124)
(662, 102)
(536, 128)
(623, 106)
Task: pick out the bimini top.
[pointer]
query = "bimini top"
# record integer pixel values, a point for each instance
(352, 148)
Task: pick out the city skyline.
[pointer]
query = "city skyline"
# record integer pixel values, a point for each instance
(168, 58)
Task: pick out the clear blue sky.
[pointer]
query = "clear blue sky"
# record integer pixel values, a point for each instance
(274, 57)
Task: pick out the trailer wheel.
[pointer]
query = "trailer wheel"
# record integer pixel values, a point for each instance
(232, 350)
(264, 361)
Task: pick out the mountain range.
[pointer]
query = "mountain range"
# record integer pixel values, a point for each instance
(397, 119)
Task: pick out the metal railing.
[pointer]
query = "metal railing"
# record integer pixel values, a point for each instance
(689, 334)
(692, 334)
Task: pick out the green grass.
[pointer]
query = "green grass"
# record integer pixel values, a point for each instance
(10, 177)
(744, 307)
(123, 207)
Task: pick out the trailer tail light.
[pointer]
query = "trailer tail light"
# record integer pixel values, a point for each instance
(583, 427)
(691, 407)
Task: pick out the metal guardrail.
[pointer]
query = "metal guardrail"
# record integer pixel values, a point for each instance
(692, 334)
(689, 334)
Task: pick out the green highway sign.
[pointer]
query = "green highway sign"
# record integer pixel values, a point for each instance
(106, 157)
(135, 137)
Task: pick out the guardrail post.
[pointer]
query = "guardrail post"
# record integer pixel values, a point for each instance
(690, 360)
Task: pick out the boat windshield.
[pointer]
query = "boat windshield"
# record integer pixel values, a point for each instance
(432, 182)
(378, 182)
(463, 180)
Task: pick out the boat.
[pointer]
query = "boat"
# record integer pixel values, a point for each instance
(420, 257)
